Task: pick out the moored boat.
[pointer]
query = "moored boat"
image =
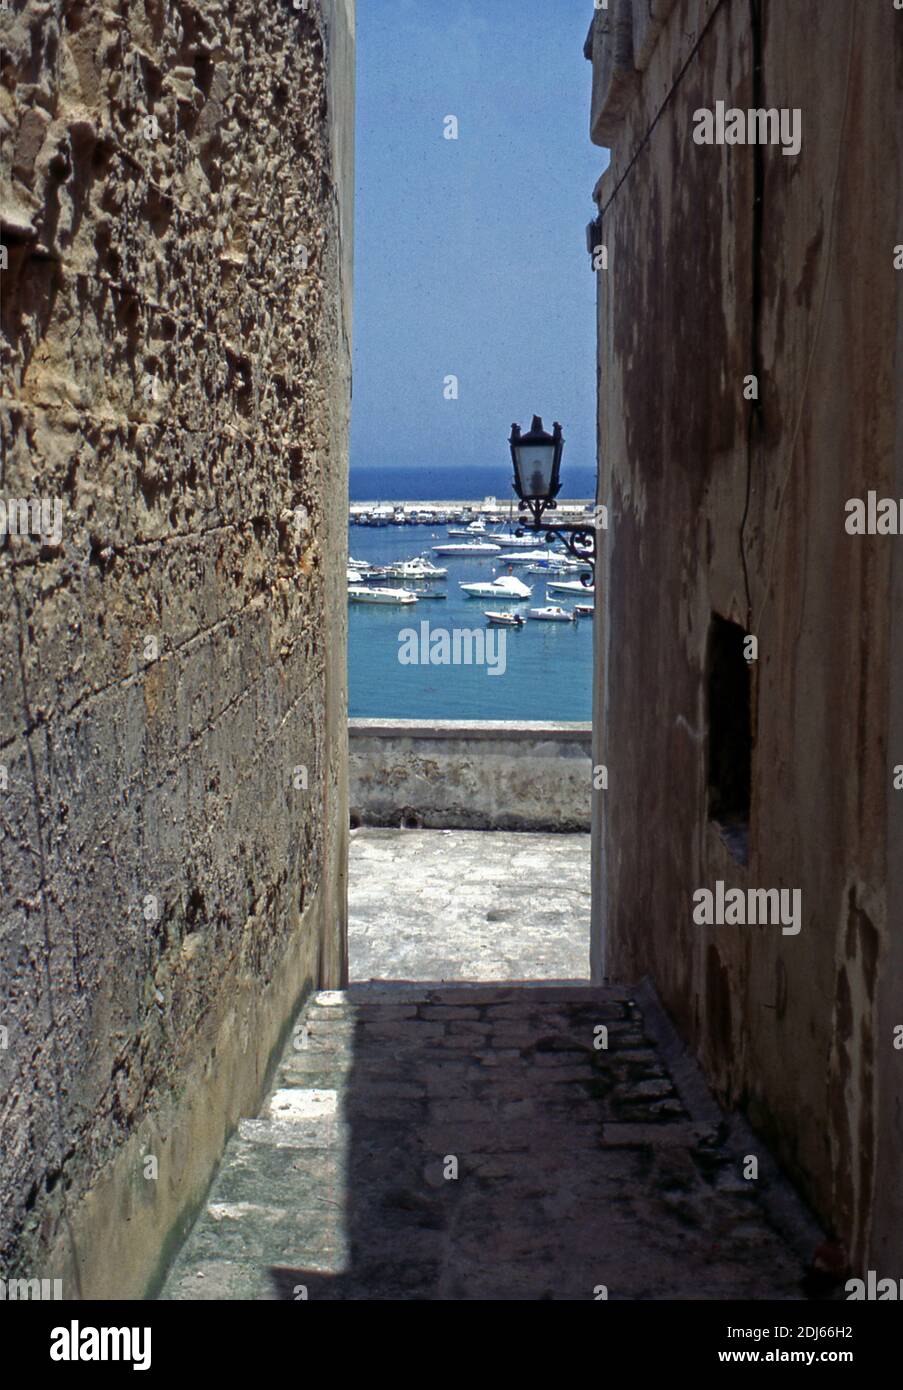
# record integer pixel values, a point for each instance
(419, 568)
(361, 593)
(506, 586)
(505, 619)
(551, 614)
(572, 586)
(526, 557)
(467, 548)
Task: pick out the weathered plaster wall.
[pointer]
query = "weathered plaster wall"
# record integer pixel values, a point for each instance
(177, 184)
(470, 774)
(727, 506)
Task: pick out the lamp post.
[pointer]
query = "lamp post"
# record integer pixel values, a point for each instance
(537, 467)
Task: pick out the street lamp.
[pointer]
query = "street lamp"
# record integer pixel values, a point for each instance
(537, 467)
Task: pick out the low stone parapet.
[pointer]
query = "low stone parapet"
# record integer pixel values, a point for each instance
(470, 774)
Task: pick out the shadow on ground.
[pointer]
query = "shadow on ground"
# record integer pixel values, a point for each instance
(450, 1142)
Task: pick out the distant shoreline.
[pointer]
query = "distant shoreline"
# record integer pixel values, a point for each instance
(487, 504)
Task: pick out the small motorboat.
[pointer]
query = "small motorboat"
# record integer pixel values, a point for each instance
(505, 619)
(555, 568)
(526, 557)
(551, 615)
(361, 593)
(572, 586)
(420, 568)
(584, 610)
(508, 538)
(506, 586)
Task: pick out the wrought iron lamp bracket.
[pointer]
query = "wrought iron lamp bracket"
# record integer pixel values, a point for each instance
(579, 540)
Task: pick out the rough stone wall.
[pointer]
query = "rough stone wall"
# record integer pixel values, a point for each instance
(176, 196)
(725, 261)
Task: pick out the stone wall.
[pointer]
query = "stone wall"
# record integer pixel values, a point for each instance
(470, 774)
(729, 500)
(177, 201)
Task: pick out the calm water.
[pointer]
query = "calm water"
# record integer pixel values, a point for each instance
(548, 666)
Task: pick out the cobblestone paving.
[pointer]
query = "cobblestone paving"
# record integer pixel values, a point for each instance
(577, 1167)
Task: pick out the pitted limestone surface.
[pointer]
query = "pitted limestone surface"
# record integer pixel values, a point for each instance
(474, 1142)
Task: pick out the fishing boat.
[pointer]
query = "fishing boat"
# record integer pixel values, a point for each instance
(506, 586)
(551, 615)
(467, 548)
(361, 593)
(505, 619)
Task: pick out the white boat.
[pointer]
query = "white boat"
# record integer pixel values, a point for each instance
(516, 542)
(363, 594)
(467, 548)
(505, 619)
(584, 610)
(353, 576)
(358, 564)
(572, 586)
(525, 557)
(551, 615)
(506, 586)
(419, 568)
(476, 528)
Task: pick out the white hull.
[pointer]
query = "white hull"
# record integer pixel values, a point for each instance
(507, 590)
(362, 595)
(527, 557)
(505, 619)
(464, 549)
(551, 615)
(572, 586)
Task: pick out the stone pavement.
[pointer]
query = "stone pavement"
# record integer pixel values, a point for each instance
(487, 1140)
(468, 905)
(471, 1142)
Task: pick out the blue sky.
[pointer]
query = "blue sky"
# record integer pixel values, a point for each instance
(470, 254)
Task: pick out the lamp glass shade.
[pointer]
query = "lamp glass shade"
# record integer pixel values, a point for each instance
(535, 464)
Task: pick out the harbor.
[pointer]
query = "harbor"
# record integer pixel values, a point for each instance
(491, 511)
(483, 578)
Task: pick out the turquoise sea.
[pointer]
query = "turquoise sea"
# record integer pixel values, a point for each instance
(547, 666)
